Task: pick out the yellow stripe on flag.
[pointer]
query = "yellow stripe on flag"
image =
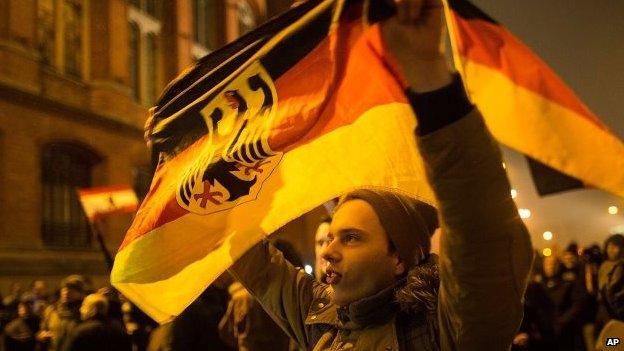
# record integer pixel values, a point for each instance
(546, 131)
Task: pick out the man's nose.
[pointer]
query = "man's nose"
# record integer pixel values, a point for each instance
(331, 253)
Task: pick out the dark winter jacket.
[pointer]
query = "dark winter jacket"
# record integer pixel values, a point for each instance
(98, 334)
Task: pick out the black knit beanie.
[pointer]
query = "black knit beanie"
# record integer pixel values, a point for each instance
(409, 223)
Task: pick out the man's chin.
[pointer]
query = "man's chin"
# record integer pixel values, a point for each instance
(341, 299)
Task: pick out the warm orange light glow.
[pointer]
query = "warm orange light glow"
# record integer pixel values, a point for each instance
(613, 210)
(548, 235)
(547, 252)
(524, 213)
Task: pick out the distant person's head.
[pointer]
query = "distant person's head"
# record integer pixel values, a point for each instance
(320, 241)
(25, 307)
(569, 260)
(73, 289)
(39, 287)
(614, 247)
(94, 306)
(290, 253)
(375, 238)
(552, 266)
(570, 263)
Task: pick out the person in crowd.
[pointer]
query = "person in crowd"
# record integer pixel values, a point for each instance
(570, 269)
(195, 329)
(63, 316)
(591, 259)
(537, 330)
(96, 332)
(387, 291)
(245, 325)
(20, 333)
(320, 242)
(115, 315)
(40, 296)
(611, 290)
(567, 300)
(137, 324)
(10, 302)
(609, 272)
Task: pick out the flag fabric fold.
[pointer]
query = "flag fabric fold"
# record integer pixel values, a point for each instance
(291, 115)
(527, 106)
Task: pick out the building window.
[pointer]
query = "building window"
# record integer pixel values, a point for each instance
(61, 34)
(65, 167)
(151, 52)
(135, 49)
(46, 30)
(144, 51)
(207, 25)
(246, 17)
(72, 36)
(150, 7)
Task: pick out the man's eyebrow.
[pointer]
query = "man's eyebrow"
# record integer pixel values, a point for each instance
(351, 229)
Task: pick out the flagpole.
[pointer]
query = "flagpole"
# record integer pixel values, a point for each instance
(95, 229)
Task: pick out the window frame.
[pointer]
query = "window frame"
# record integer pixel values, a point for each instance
(72, 231)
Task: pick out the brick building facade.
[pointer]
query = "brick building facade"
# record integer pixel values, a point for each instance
(76, 79)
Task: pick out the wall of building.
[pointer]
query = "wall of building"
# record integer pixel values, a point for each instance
(98, 108)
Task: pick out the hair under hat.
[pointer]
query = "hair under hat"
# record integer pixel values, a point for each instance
(409, 223)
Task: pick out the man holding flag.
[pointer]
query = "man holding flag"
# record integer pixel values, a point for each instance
(387, 291)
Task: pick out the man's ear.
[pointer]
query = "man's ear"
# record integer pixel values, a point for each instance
(399, 267)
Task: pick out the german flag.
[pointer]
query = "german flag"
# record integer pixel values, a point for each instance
(291, 115)
(529, 108)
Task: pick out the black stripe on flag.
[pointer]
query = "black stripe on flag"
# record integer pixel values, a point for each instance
(181, 92)
(549, 181)
(467, 10)
(190, 126)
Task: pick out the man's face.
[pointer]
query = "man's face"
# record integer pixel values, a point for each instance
(320, 242)
(613, 252)
(551, 266)
(569, 260)
(359, 263)
(69, 295)
(39, 287)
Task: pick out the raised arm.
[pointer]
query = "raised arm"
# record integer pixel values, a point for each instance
(283, 290)
(485, 248)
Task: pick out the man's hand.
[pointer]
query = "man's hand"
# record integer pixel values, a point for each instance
(415, 38)
(521, 339)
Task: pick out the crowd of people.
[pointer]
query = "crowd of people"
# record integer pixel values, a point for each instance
(572, 296)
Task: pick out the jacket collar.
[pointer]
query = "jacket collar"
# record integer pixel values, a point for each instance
(371, 310)
(416, 294)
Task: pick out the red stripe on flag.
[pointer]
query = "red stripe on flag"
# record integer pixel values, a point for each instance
(123, 209)
(104, 189)
(494, 46)
(310, 106)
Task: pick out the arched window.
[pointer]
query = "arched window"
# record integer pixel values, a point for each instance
(134, 60)
(64, 168)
